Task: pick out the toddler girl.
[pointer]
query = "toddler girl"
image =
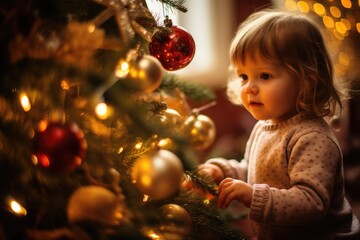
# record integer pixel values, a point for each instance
(293, 166)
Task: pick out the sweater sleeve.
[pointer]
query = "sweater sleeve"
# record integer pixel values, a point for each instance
(231, 168)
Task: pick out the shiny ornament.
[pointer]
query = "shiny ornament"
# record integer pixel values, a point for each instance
(175, 221)
(172, 119)
(201, 131)
(173, 46)
(59, 147)
(158, 174)
(95, 204)
(146, 73)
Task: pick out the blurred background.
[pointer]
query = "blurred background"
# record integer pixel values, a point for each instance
(213, 23)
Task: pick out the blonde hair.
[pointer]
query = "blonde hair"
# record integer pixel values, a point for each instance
(295, 42)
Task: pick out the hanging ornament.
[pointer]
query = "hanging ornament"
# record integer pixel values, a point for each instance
(146, 73)
(174, 46)
(59, 147)
(201, 131)
(175, 222)
(95, 204)
(158, 174)
(172, 119)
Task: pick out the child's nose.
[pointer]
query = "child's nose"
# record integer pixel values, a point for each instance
(251, 88)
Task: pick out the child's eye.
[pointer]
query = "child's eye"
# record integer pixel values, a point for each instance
(265, 76)
(243, 77)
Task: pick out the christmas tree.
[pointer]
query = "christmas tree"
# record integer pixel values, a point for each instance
(97, 140)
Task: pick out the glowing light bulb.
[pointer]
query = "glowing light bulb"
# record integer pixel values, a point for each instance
(303, 6)
(335, 11)
(290, 5)
(122, 69)
(319, 9)
(101, 111)
(25, 102)
(138, 145)
(16, 207)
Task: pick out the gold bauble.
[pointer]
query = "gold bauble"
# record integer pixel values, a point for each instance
(95, 204)
(158, 174)
(172, 119)
(146, 73)
(201, 131)
(174, 221)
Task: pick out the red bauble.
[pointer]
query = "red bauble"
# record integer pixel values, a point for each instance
(174, 47)
(59, 147)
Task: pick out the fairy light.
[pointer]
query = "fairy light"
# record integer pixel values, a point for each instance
(145, 198)
(346, 3)
(122, 69)
(16, 208)
(341, 28)
(303, 6)
(25, 102)
(101, 111)
(65, 85)
(319, 9)
(328, 22)
(91, 28)
(290, 5)
(346, 23)
(335, 11)
(138, 145)
(43, 124)
(120, 150)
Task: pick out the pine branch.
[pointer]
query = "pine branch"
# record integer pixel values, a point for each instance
(177, 4)
(202, 181)
(197, 92)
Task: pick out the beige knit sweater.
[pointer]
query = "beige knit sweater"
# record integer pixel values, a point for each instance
(296, 171)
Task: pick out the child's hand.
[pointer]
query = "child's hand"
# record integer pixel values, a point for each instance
(233, 189)
(214, 171)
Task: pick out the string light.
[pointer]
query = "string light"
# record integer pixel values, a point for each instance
(122, 69)
(303, 6)
(335, 11)
(319, 9)
(16, 207)
(341, 20)
(138, 145)
(101, 111)
(25, 102)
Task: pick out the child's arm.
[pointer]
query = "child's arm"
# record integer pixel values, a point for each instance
(221, 168)
(231, 189)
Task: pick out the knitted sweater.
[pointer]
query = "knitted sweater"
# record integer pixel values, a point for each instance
(296, 170)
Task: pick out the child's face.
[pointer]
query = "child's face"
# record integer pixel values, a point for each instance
(268, 91)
